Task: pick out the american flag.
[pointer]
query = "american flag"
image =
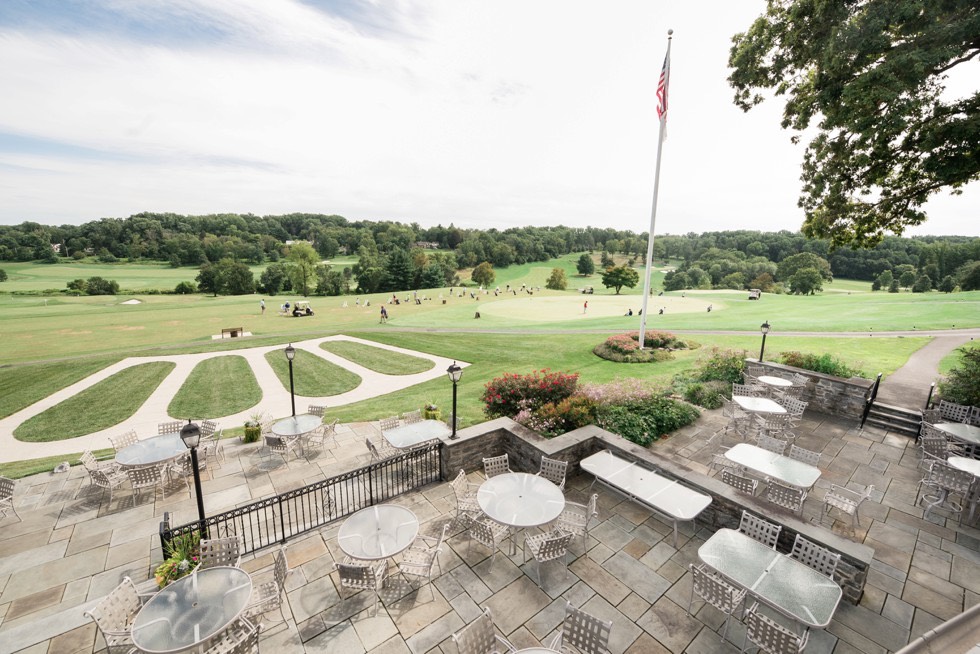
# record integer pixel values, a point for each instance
(662, 91)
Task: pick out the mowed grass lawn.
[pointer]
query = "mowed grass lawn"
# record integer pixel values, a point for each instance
(98, 407)
(378, 359)
(216, 387)
(312, 375)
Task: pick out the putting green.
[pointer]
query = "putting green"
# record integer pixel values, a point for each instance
(550, 308)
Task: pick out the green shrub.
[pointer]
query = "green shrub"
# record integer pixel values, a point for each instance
(826, 364)
(555, 419)
(710, 395)
(721, 365)
(962, 384)
(646, 421)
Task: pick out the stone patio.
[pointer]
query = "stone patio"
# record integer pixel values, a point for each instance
(72, 548)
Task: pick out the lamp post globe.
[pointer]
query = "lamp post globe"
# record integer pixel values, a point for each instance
(455, 374)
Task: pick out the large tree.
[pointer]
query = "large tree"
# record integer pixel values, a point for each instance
(871, 74)
(619, 276)
(303, 261)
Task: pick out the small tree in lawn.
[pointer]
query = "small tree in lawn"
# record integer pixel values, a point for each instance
(585, 265)
(484, 274)
(3, 275)
(557, 281)
(619, 276)
(907, 279)
(948, 284)
(806, 281)
(922, 284)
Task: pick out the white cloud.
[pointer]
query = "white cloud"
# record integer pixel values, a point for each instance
(503, 113)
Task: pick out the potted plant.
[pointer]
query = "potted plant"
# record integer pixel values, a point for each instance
(183, 554)
(253, 428)
(430, 411)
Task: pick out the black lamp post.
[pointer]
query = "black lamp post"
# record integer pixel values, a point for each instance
(455, 373)
(765, 330)
(191, 435)
(290, 355)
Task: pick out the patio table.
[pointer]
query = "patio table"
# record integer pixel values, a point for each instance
(415, 433)
(193, 609)
(665, 496)
(968, 434)
(788, 586)
(295, 427)
(776, 466)
(778, 382)
(973, 467)
(378, 532)
(758, 404)
(520, 500)
(152, 451)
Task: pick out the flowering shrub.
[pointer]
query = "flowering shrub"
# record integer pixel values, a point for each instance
(721, 365)
(183, 554)
(554, 419)
(657, 339)
(508, 395)
(623, 343)
(621, 391)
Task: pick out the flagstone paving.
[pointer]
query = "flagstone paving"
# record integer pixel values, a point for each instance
(72, 548)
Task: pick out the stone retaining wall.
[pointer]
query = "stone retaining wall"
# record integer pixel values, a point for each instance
(525, 449)
(834, 396)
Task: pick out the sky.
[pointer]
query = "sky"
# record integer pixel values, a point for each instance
(477, 113)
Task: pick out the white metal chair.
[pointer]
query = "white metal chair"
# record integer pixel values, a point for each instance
(412, 417)
(318, 438)
(107, 480)
(90, 462)
(7, 498)
(382, 451)
(846, 500)
(804, 456)
(182, 468)
(143, 478)
(208, 428)
(496, 465)
(715, 591)
(362, 575)
(169, 427)
(242, 637)
(467, 508)
(419, 561)
(582, 632)
(575, 518)
(389, 423)
(788, 497)
(316, 410)
(217, 552)
(281, 446)
(480, 637)
(489, 533)
(554, 471)
(738, 482)
(739, 419)
(770, 444)
(748, 390)
(759, 529)
(952, 412)
(114, 615)
(722, 462)
(124, 440)
(815, 556)
(945, 481)
(548, 547)
(769, 636)
(267, 596)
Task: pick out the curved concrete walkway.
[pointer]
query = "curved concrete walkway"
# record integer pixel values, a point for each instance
(275, 397)
(908, 387)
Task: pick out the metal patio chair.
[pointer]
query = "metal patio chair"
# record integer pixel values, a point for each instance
(419, 560)
(554, 471)
(788, 497)
(480, 637)
(769, 636)
(388, 423)
(169, 427)
(575, 518)
(242, 637)
(759, 529)
(496, 465)
(148, 477)
(114, 615)
(363, 575)
(815, 556)
(945, 481)
(952, 412)
(124, 440)
(846, 501)
(738, 482)
(582, 632)
(804, 456)
(412, 417)
(488, 533)
(467, 508)
(548, 547)
(316, 410)
(774, 445)
(267, 596)
(208, 428)
(715, 591)
(217, 552)
(7, 498)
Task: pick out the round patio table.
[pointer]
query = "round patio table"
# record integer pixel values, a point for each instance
(191, 610)
(520, 500)
(151, 451)
(378, 532)
(778, 382)
(296, 425)
(973, 467)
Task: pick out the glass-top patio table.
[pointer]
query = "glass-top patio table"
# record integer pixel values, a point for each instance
(190, 611)
(769, 464)
(973, 467)
(378, 532)
(795, 590)
(414, 433)
(758, 404)
(296, 425)
(151, 451)
(968, 434)
(520, 500)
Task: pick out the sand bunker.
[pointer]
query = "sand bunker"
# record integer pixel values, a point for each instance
(602, 306)
(132, 302)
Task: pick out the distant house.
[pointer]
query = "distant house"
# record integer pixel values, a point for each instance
(56, 247)
(427, 245)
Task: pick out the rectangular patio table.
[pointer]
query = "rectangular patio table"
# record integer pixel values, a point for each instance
(790, 587)
(758, 404)
(665, 496)
(969, 435)
(775, 466)
(415, 433)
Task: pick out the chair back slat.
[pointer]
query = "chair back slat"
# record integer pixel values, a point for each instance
(496, 465)
(759, 529)
(814, 556)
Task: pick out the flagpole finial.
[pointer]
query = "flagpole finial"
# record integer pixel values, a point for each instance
(670, 32)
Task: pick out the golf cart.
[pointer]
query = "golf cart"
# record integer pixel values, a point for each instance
(302, 308)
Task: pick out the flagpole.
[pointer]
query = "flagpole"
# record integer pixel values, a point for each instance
(656, 188)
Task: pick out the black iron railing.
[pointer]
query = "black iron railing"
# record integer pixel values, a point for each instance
(277, 519)
(869, 399)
